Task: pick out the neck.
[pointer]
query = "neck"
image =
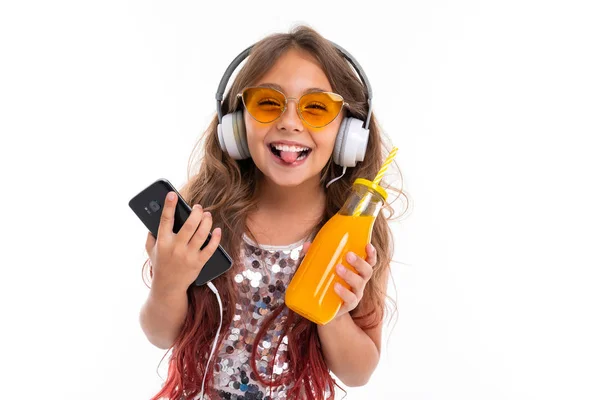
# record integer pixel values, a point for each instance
(307, 198)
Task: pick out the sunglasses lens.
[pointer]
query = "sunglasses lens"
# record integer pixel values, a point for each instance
(320, 108)
(317, 109)
(264, 104)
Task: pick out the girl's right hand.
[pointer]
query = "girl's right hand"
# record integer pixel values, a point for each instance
(176, 258)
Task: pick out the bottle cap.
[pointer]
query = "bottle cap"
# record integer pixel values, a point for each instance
(365, 182)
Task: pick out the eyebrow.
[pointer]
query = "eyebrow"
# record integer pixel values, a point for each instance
(276, 86)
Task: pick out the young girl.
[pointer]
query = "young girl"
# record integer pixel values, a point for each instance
(268, 205)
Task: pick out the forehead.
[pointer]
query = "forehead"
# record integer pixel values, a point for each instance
(296, 72)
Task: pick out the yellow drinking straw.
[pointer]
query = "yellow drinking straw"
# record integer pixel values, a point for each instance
(385, 166)
(377, 179)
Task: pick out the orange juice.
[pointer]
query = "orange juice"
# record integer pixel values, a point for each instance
(310, 293)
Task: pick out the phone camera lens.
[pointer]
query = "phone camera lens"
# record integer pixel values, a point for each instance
(154, 206)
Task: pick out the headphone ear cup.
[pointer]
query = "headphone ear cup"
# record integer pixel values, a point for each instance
(339, 139)
(350, 143)
(240, 134)
(232, 136)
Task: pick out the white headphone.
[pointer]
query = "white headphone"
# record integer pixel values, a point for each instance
(351, 140)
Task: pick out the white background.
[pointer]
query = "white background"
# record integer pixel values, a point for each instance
(493, 105)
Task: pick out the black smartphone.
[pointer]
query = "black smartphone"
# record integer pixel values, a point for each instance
(148, 206)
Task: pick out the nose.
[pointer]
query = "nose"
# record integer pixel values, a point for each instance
(290, 119)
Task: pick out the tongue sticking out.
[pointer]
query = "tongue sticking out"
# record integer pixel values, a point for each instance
(289, 156)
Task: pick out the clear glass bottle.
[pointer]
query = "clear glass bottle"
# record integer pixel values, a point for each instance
(310, 293)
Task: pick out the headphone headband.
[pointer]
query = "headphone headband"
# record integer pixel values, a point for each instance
(244, 54)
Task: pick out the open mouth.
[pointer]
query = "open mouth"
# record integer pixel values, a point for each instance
(289, 154)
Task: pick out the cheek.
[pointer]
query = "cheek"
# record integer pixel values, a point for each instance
(255, 133)
(325, 145)
(325, 140)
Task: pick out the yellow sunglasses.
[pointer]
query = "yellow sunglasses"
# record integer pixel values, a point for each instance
(317, 109)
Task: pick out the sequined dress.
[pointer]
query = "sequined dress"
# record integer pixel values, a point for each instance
(262, 280)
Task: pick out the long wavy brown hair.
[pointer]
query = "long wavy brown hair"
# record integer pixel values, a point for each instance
(228, 189)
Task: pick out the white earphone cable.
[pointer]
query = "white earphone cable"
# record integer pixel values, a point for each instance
(335, 179)
(216, 292)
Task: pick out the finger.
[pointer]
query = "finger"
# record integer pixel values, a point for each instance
(305, 247)
(363, 268)
(165, 226)
(346, 295)
(371, 255)
(201, 234)
(355, 281)
(190, 225)
(150, 242)
(211, 247)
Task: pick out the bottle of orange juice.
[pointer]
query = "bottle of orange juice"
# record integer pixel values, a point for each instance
(310, 293)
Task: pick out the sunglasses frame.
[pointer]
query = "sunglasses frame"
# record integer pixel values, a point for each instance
(240, 95)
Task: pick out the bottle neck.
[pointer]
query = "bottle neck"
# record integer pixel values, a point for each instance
(363, 201)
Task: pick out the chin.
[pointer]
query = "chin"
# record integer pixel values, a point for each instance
(284, 178)
(290, 182)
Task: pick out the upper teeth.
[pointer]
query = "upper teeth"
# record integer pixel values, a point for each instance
(285, 147)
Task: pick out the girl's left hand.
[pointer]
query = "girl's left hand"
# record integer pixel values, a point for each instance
(356, 281)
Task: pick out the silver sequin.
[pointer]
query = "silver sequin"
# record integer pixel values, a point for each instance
(295, 254)
(265, 274)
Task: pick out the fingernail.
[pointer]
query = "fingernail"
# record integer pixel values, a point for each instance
(338, 287)
(371, 248)
(171, 196)
(196, 206)
(217, 231)
(351, 257)
(340, 269)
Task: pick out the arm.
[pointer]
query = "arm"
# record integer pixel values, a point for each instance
(354, 358)
(352, 353)
(162, 316)
(177, 263)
